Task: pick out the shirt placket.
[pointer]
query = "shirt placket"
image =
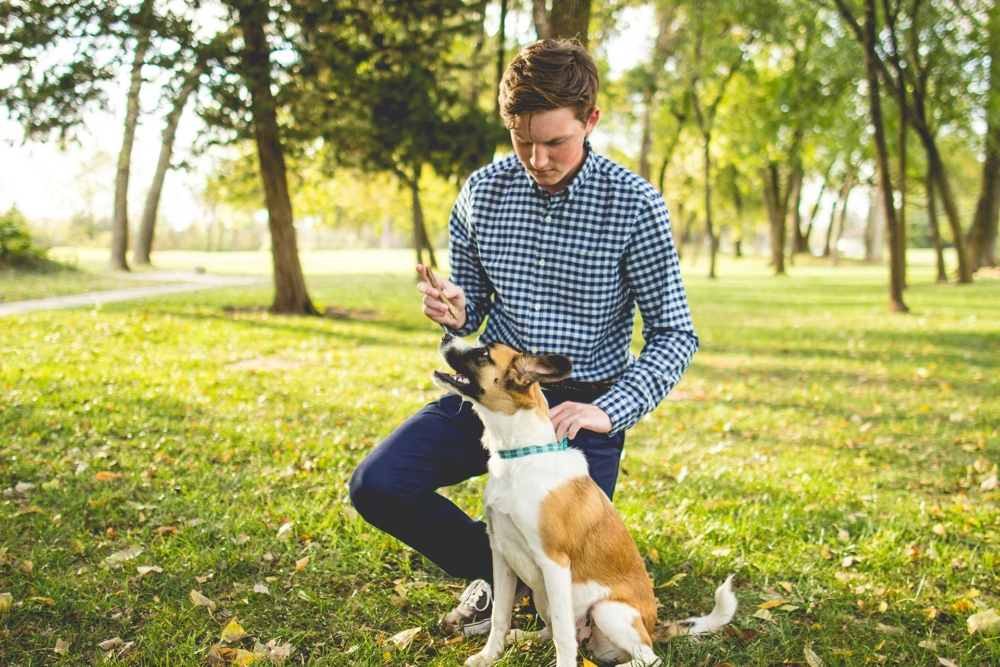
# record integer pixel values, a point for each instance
(545, 250)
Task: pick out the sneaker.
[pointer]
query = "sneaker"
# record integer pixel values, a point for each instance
(474, 612)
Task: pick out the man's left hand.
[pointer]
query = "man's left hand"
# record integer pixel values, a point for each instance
(569, 418)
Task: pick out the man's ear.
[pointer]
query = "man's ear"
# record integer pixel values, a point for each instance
(544, 369)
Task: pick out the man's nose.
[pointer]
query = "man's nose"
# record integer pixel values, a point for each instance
(539, 157)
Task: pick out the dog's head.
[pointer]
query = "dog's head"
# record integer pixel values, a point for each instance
(497, 377)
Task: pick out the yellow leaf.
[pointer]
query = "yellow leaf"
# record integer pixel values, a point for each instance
(771, 604)
(48, 601)
(401, 640)
(106, 476)
(387, 656)
(6, 602)
(939, 530)
(245, 657)
(588, 663)
(787, 586)
(233, 632)
(673, 580)
(826, 553)
(653, 555)
(202, 601)
(962, 606)
(301, 563)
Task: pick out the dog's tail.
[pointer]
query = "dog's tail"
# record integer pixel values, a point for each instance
(725, 608)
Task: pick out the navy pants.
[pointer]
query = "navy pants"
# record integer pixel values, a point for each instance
(395, 486)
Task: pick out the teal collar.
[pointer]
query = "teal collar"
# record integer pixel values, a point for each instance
(534, 449)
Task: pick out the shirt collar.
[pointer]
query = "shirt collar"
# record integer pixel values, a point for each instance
(581, 176)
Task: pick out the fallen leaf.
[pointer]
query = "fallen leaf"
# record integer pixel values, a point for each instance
(762, 614)
(745, 635)
(106, 476)
(51, 485)
(985, 623)
(207, 577)
(61, 647)
(673, 580)
(261, 588)
(771, 604)
(963, 606)
(813, 659)
(826, 553)
(588, 663)
(233, 632)
(164, 530)
(788, 607)
(242, 538)
(848, 561)
(722, 551)
(279, 652)
(991, 483)
(938, 529)
(202, 601)
(787, 586)
(843, 535)
(888, 629)
(109, 644)
(946, 662)
(121, 556)
(27, 567)
(23, 487)
(146, 569)
(6, 602)
(401, 640)
(48, 601)
(653, 555)
(928, 644)
(285, 532)
(301, 564)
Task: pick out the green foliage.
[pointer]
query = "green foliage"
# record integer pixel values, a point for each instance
(16, 246)
(193, 427)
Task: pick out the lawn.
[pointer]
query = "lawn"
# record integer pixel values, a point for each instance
(839, 460)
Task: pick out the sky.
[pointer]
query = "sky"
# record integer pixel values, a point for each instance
(44, 180)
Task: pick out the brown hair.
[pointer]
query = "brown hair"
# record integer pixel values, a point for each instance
(549, 74)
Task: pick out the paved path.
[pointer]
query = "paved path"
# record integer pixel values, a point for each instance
(183, 282)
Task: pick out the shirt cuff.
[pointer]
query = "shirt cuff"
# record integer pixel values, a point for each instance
(623, 410)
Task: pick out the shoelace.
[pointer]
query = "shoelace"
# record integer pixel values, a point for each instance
(472, 594)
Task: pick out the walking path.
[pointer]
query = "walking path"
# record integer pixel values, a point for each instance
(182, 282)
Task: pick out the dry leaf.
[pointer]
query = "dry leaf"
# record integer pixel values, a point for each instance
(48, 601)
(301, 563)
(285, 532)
(771, 604)
(888, 629)
(762, 614)
(843, 536)
(848, 561)
(946, 662)
(202, 601)
(722, 551)
(261, 588)
(991, 483)
(588, 663)
(963, 606)
(985, 623)
(938, 529)
(6, 602)
(233, 632)
(122, 556)
(146, 569)
(811, 658)
(653, 555)
(61, 647)
(105, 476)
(207, 577)
(27, 567)
(401, 640)
(279, 652)
(109, 644)
(787, 586)
(928, 644)
(826, 553)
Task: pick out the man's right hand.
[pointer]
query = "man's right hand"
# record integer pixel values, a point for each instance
(434, 308)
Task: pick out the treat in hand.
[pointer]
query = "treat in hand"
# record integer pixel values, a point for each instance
(432, 279)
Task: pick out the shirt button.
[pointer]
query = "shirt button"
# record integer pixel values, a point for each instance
(537, 307)
(548, 218)
(534, 351)
(541, 262)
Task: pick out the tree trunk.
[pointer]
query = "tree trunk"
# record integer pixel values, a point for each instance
(882, 159)
(932, 222)
(570, 18)
(841, 224)
(795, 202)
(501, 52)
(540, 16)
(712, 238)
(829, 228)
(937, 171)
(775, 216)
(144, 240)
(983, 235)
(420, 238)
(119, 224)
(290, 296)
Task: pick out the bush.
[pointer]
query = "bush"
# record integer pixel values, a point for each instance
(16, 246)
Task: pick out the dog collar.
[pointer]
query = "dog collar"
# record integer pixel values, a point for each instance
(534, 449)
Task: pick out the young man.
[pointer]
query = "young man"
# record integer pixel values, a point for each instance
(554, 247)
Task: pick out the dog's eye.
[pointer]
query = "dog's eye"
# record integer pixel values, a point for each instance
(485, 352)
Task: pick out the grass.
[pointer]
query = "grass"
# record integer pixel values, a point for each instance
(829, 454)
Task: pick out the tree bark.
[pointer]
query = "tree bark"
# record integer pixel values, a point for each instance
(290, 296)
(541, 19)
(983, 235)
(147, 229)
(795, 202)
(570, 18)
(829, 228)
(932, 222)
(937, 171)
(841, 224)
(713, 239)
(775, 216)
(501, 52)
(119, 224)
(882, 159)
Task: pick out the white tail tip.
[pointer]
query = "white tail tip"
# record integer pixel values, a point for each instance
(725, 608)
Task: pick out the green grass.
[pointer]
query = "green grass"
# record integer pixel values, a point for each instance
(20, 285)
(812, 427)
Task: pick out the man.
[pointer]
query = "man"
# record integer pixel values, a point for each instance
(554, 247)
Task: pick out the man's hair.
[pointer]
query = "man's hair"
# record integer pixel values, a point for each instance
(549, 74)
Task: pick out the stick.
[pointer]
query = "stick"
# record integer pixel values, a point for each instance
(434, 283)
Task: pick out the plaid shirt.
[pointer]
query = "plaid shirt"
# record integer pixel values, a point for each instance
(562, 274)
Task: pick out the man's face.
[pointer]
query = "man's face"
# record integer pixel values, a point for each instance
(549, 144)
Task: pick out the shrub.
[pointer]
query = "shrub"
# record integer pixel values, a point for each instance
(16, 246)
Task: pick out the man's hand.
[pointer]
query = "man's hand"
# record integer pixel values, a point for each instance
(569, 418)
(436, 309)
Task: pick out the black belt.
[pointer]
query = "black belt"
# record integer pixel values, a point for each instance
(578, 387)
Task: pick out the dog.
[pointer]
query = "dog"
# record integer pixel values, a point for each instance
(550, 524)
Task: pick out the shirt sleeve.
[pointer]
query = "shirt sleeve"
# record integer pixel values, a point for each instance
(466, 268)
(652, 272)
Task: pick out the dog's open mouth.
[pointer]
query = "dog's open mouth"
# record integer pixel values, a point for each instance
(455, 379)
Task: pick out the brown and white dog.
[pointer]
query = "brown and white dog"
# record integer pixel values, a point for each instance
(551, 525)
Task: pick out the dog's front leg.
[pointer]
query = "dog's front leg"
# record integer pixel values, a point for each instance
(559, 590)
(504, 589)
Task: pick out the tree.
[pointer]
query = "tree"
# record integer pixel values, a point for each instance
(983, 234)
(567, 18)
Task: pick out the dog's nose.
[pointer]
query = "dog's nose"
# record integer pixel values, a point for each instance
(447, 338)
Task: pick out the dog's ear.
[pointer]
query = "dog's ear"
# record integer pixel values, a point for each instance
(547, 368)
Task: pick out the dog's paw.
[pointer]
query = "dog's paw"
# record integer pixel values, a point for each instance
(482, 659)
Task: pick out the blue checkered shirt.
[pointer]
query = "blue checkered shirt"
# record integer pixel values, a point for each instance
(563, 273)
